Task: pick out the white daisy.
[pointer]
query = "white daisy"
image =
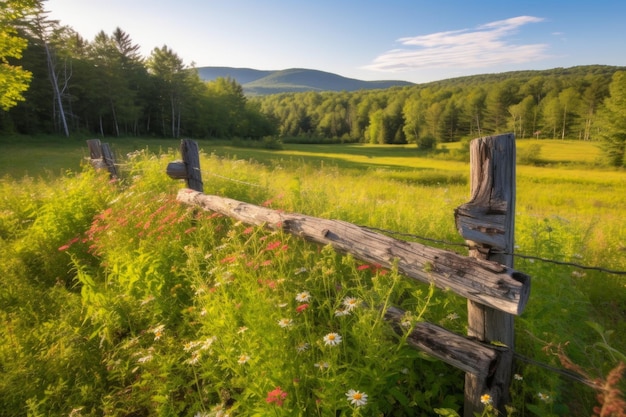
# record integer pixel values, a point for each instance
(357, 398)
(303, 297)
(332, 339)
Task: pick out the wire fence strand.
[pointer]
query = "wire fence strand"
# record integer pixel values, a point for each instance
(440, 241)
(514, 254)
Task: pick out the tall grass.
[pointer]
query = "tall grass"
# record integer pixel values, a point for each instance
(116, 300)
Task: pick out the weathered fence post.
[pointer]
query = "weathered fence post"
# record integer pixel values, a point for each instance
(189, 168)
(101, 157)
(487, 223)
(495, 291)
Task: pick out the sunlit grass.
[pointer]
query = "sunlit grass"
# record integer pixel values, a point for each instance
(111, 290)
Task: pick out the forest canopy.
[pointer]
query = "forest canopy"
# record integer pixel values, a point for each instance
(105, 87)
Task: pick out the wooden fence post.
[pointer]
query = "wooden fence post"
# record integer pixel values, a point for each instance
(487, 223)
(189, 168)
(101, 157)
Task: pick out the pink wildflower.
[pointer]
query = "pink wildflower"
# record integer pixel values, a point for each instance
(276, 396)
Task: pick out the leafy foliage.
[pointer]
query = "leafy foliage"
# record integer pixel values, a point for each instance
(115, 299)
(614, 116)
(14, 80)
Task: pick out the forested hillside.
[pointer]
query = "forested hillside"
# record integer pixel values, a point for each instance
(105, 87)
(558, 103)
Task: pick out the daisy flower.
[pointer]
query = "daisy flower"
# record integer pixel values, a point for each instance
(302, 347)
(332, 339)
(485, 399)
(243, 359)
(340, 312)
(284, 323)
(158, 331)
(356, 397)
(303, 297)
(350, 303)
(195, 358)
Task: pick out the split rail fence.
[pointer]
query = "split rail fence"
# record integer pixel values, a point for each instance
(495, 292)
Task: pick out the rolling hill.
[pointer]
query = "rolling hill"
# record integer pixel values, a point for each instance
(258, 82)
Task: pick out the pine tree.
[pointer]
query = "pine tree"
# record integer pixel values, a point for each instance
(612, 120)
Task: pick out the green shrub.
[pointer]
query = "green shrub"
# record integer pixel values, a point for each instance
(530, 155)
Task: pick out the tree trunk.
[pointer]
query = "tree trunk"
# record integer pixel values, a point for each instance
(55, 87)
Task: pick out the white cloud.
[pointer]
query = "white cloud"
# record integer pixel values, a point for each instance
(484, 46)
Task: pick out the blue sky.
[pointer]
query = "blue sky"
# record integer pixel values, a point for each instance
(412, 40)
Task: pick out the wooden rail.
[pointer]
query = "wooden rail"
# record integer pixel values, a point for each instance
(494, 290)
(486, 282)
(101, 157)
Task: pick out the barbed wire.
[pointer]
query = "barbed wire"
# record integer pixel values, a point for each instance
(515, 254)
(563, 372)
(230, 179)
(440, 241)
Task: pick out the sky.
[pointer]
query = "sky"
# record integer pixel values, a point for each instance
(411, 40)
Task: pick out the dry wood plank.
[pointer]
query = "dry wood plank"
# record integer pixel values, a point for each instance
(486, 222)
(109, 160)
(101, 157)
(461, 352)
(488, 283)
(189, 168)
(191, 157)
(95, 154)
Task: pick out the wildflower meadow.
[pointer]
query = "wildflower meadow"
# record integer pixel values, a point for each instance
(116, 300)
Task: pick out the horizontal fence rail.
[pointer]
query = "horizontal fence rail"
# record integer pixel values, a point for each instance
(486, 282)
(495, 291)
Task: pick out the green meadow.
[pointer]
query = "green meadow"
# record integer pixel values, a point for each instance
(116, 300)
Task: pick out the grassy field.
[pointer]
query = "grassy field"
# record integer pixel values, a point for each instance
(107, 331)
(54, 155)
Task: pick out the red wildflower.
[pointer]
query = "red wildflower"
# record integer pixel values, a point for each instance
(362, 267)
(301, 308)
(276, 396)
(229, 259)
(273, 245)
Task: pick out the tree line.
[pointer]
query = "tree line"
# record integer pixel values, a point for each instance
(105, 87)
(59, 82)
(547, 104)
(580, 103)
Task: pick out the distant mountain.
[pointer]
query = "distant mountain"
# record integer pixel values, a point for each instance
(242, 75)
(257, 82)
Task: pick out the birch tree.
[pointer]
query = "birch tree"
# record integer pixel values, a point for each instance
(43, 29)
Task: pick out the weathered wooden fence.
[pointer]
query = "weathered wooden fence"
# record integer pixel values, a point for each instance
(494, 290)
(101, 157)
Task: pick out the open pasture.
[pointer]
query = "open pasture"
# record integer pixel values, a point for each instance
(125, 285)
